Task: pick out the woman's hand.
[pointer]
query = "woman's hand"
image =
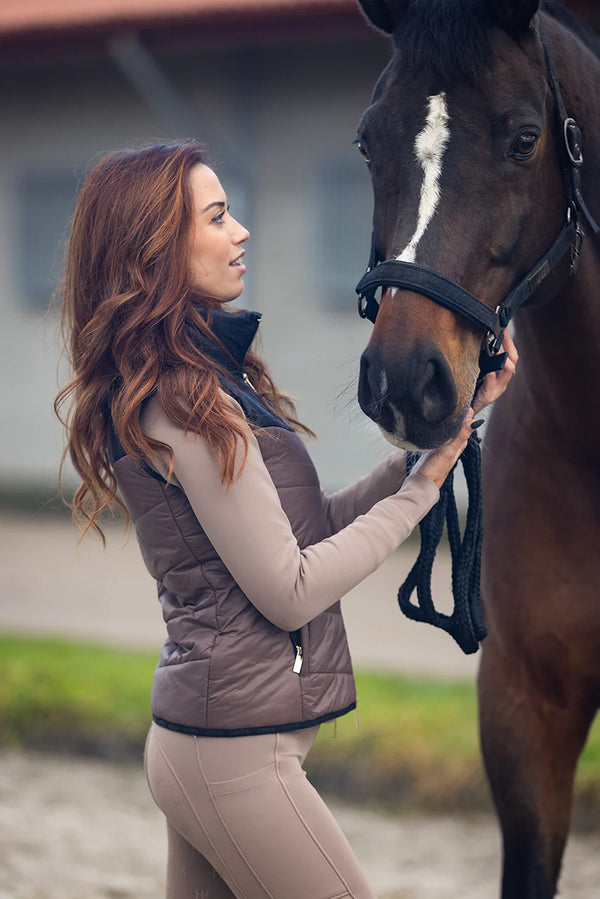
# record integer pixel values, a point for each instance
(437, 464)
(496, 382)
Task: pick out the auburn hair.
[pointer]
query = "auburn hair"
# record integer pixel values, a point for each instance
(127, 308)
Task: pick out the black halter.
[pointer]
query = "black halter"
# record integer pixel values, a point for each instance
(445, 292)
(465, 624)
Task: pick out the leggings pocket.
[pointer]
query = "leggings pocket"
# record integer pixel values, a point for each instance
(245, 782)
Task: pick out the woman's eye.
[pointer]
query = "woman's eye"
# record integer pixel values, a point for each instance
(525, 145)
(364, 153)
(219, 216)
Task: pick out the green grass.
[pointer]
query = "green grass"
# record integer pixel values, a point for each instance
(59, 694)
(416, 743)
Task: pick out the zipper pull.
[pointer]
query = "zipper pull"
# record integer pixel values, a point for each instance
(298, 661)
(248, 381)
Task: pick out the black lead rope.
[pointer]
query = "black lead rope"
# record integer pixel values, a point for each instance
(465, 624)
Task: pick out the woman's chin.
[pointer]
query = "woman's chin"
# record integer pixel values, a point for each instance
(239, 291)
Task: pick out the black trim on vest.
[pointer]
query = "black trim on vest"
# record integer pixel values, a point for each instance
(250, 731)
(115, 447)
(236, 331)
(153, 474)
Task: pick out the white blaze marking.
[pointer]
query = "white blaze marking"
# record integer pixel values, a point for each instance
(430, 145)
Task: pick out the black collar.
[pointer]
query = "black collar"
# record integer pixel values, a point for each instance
(235, 330)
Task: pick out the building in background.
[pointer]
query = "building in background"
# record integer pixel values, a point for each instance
(275, 88)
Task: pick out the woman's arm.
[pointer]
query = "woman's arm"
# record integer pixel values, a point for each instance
(252, 535)
(345, 505)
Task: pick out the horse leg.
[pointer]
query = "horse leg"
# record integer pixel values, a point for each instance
(530, 748)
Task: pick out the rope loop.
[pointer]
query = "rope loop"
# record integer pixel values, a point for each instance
(465, 624)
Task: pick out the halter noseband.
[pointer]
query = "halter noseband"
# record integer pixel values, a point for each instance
(445, 292)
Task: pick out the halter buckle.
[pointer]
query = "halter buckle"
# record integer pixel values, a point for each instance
(573, 141)
(493, 339)
(493, 342)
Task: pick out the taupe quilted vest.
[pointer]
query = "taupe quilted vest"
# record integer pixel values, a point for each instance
(225, 670)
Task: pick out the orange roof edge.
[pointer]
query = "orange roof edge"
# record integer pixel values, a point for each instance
(18, 17)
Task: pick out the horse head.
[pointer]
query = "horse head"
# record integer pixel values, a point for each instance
(460, 144)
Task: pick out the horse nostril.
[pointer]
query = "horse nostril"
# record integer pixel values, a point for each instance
(434, 390)
(371, 382)
(365, 396)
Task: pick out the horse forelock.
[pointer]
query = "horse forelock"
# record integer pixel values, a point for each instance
(447, 37)
(453, 38)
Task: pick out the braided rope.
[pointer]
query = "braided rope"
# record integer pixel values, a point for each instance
(465, 624)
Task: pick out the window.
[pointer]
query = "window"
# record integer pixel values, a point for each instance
(345, 201)
(46, 200)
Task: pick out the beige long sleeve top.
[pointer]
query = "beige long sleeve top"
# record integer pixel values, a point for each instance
(252, 535)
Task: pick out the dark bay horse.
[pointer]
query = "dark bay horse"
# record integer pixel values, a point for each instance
(465, 155)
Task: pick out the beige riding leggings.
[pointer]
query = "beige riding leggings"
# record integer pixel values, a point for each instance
(243, 820)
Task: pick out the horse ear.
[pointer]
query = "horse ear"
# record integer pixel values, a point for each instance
(384, 14)
(515, 15)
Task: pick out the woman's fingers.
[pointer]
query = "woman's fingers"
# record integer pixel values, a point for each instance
(437, 464)
(508, 346)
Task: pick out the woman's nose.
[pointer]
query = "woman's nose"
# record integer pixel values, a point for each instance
(241, 233)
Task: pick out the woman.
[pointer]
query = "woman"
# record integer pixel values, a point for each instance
(170, 407)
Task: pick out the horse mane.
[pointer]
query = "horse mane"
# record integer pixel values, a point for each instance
(566, 18)
(452, 37)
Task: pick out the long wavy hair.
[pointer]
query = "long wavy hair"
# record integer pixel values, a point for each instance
(127, 308)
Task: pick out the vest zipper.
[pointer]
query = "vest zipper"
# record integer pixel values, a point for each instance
(247, 381)
(295, 638)
(298, 660)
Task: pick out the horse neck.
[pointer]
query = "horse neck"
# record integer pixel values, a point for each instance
(559, 341)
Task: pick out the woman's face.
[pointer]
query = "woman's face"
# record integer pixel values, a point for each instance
(215, 266)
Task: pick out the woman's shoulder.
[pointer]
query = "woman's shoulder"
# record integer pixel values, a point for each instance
(156, 423)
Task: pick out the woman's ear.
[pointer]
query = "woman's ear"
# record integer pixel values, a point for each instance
(384, 14)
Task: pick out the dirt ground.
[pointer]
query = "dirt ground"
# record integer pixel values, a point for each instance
(80, 829)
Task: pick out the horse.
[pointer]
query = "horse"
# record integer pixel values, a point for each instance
(466, 148)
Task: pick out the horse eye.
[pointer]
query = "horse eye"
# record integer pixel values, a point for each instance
(525, 145)
(363, 153)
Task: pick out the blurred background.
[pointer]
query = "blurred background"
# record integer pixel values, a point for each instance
(275, 89)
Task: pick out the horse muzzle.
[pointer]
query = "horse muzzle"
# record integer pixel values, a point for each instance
(411, 397)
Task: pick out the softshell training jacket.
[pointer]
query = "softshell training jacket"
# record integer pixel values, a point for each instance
(250, 577)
